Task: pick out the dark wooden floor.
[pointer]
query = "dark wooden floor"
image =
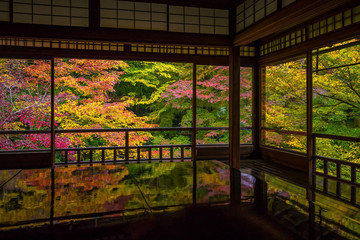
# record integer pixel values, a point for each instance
(225, 221)
(215, 222)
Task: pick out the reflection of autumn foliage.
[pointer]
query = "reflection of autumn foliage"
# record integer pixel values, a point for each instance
(118, 204)
(81, 190)
(213, 182)
(26, 197)
(102, 188)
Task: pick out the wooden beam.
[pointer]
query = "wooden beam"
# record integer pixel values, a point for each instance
(47, 53)
(112, 34)
(295, 14)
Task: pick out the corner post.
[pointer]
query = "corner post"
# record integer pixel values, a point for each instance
(310, 144)
(193, 135)
(234, 125)
(52, 138)
(256, 107)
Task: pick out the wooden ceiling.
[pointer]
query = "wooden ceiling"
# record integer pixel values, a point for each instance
(300, 12)
(296, 14)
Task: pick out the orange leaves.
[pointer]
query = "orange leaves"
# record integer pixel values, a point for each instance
(88, 78)
(83, 102)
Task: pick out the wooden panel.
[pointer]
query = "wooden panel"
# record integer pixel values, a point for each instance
(246, 151)
(25, 160)
(212, 153)
(286, 158)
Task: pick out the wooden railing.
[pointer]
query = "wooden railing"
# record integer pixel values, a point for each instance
(352, 181)
(123, 154)
(281, 131)
(119, 154)
(337, 176)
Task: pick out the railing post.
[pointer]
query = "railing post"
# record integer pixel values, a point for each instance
(338, 184)
(161, 153)
(78, 157)
(66, 157)
(182, 154)
(171, 154)
(325, 181)
(126, 146)
(103, 156)
(138, 155)
(353, 188)
(91, 156)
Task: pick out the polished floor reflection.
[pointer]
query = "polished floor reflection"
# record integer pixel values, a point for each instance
(118, 193)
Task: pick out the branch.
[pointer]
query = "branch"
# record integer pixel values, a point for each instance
(343, 80)
(338, 99)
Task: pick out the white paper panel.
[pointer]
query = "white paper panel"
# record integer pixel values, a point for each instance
(79, 22)
(161, 26)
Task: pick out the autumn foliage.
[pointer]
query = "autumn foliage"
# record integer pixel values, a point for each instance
(95, 94)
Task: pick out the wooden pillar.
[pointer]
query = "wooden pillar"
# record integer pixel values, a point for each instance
(234, 124)
(94, 14)
(52, 139)
(193, 135)
(234, 102)
(310, 144)
(309, 116)
(52, 111)
(256, 111)
(309, 123)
